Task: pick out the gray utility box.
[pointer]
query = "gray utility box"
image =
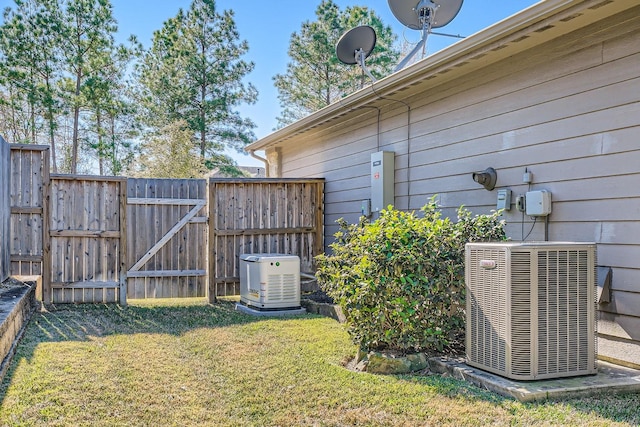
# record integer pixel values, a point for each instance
(382, 180)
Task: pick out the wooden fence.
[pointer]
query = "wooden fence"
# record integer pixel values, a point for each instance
(166, 238)
(5, 209)
(262, 216)
(101, 239)
(87, 239)
(29, 188)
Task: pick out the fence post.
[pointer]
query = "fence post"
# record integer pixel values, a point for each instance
(319, 238)
(5, 209)
(211, 263)
(123, 242)
(46, 224)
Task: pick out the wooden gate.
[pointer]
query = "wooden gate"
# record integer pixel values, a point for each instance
(167, 238)
(262, 216)
(87, 240)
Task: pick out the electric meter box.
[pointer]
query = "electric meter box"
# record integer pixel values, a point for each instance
(382, 180)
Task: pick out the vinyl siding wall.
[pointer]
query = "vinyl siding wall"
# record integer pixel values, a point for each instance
(568, 110)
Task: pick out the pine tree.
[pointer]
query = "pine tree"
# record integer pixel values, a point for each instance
(88, 29)
(30, 66)
(315, 78)
(109, 107)
(194, 72)
(61, 69)
(161, 75)
(169, 153)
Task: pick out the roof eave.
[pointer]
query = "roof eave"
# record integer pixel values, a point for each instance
(486, 39)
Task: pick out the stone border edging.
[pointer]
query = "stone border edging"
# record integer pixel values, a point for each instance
(324, 309)
(13, 322)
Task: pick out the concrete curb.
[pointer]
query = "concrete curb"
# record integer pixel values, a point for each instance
(609, 379)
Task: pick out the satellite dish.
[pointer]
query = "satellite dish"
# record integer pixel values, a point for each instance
(413, 15)
(355, 46)
(424, 15)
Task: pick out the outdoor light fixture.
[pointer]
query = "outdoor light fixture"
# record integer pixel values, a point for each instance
(486, 178)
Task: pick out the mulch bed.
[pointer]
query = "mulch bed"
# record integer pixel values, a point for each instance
(10, 288)
(319, 297)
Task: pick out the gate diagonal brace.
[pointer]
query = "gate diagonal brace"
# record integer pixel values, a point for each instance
(199, 204)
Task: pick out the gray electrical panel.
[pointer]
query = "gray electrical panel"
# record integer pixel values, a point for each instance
(382, 180)
(504, 199)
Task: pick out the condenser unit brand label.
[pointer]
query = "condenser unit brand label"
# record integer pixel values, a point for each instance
(487, 264)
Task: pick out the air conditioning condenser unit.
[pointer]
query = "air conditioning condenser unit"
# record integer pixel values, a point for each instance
(531, 309)
(270, 281)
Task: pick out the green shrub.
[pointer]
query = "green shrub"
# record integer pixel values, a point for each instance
(400, 279)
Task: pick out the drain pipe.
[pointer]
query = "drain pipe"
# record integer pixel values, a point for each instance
(253, 154)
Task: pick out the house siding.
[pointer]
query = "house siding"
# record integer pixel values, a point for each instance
(567, 110)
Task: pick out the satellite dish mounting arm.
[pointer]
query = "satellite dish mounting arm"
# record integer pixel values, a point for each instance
(420, 46)
(360, 56)
(423, 17)
(426, 11)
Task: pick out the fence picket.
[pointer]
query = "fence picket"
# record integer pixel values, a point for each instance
(261, 216)
(85, 242)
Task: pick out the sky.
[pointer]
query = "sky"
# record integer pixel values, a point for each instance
(267, 26)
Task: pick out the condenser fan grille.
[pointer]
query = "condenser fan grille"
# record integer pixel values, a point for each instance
(563, 299)
(488, 304)
(520, 314)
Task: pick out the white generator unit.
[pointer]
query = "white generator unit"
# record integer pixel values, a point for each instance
(270, 281)
(531, 309)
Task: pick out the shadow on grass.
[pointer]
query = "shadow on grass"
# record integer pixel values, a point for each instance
(86, 322)
(83, 322)
(79, 322)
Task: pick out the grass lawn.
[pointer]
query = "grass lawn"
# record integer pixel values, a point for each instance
(189, 363)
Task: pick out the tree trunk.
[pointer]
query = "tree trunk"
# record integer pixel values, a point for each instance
(33, 125)
(52, 143)
(115, 167)
(76, 120)
(203, 96)
(52, 128)
(100, 149)
(327, 99)
(32, 106)
(14, 127)
(203, 136)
